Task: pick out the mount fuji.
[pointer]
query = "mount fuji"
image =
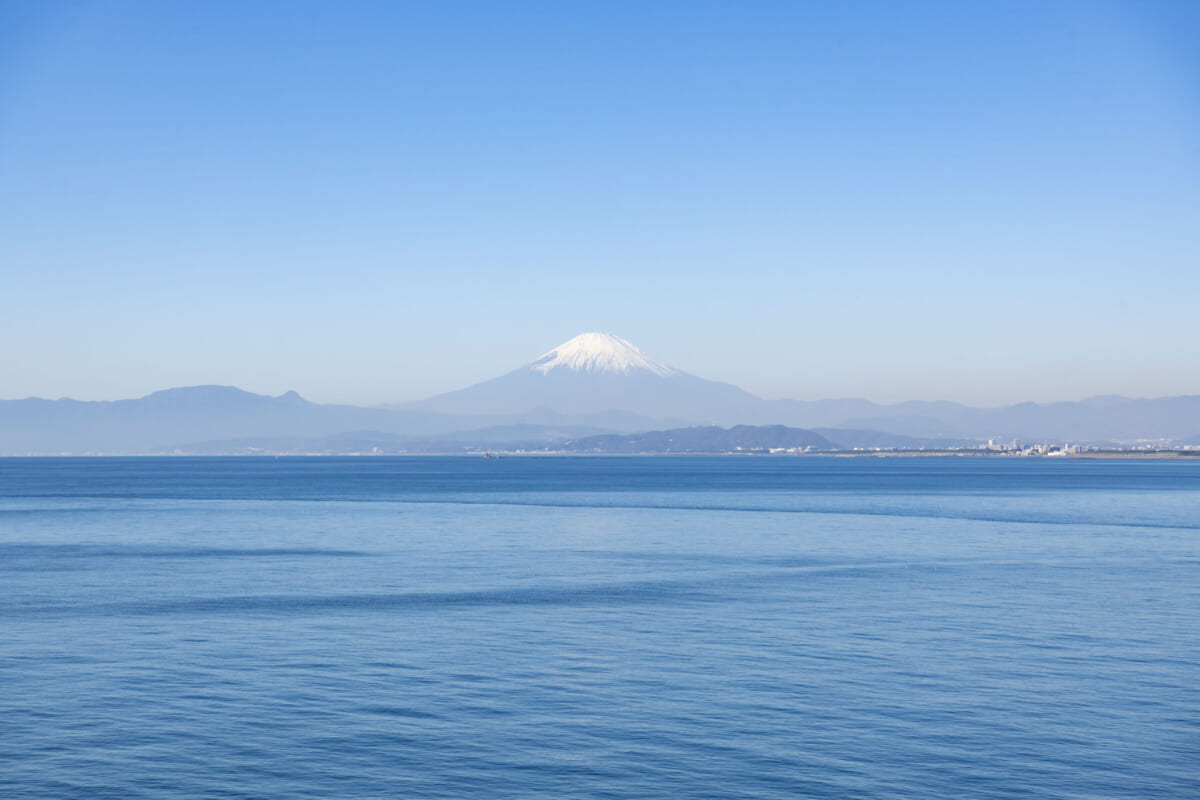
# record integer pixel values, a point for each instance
(602, 380)
(596, 373)
(591, 385)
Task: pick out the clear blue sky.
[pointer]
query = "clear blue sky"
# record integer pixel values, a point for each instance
(374, 202)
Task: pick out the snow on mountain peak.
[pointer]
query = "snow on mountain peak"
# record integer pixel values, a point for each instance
(599, 352)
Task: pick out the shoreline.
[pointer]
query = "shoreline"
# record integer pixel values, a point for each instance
(1103, 455)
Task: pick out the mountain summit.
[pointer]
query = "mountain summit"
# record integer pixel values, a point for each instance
(596, 373)
(599, 352)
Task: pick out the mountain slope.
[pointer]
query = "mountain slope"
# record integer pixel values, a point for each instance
(209, 414)
(1107, 419)
(593, 373)
(598, 372)
(195, 413)
(709, 439)
(593, 381)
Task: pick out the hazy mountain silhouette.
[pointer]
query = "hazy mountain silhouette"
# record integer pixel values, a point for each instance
(598, 372)
(708, 439)
(499, 437)
(218, 413)
(592, 383)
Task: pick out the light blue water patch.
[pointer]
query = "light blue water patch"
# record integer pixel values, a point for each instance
(686, 627)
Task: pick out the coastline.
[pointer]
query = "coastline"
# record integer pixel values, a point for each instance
(1127, 455)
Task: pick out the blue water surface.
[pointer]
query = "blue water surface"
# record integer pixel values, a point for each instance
(685, 627)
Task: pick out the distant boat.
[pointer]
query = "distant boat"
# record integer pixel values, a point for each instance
(487, 455)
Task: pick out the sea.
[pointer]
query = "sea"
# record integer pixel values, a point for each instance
(560, 627)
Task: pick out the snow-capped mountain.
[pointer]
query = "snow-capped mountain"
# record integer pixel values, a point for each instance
(598, 372)
(599, 352)
(594, 382)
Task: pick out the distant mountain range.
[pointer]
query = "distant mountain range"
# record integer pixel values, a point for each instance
(598, 371)
(710, 439)
(541, 439)
(594, 373)
(593, 385)
(174, 418)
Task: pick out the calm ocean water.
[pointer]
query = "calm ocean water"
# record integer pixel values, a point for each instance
(603, 627)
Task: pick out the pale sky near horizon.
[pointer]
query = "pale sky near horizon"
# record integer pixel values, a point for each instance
(376, 202)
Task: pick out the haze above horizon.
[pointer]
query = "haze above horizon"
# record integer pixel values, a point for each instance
(374, 203)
